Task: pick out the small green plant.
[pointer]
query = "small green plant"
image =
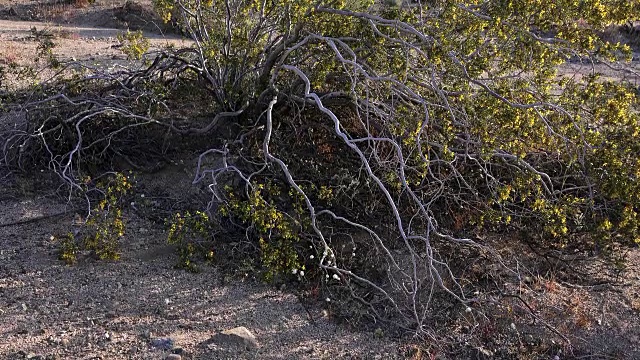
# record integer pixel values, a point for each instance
(134, 44)
(45, 47)
(106, 224)
(190, 233)
(102, 232)
(68, 248)
(277, 231)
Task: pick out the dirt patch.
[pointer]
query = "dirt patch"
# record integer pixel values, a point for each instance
(132, 15)
(122, 309)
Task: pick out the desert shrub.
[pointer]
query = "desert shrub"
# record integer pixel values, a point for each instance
(67, 248)
(104, 227)
(134, 44)
(191, 234)
(106, 224)
(369, 144)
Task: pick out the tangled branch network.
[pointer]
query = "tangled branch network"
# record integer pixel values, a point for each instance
(367, 143)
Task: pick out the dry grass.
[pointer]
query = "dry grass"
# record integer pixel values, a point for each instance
(67, 34)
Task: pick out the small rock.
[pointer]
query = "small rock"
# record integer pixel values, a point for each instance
(162, 343)
(173, 357)
(529, 339)
(172, 317)
(239, 336)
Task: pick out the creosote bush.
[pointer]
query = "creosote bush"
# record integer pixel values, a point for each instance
(134, 44)
(371, 144)
(191, 234)
(278, 232)
(105, 226)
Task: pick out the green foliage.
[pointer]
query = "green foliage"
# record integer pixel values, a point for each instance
(67, 248)
(100, 235)
(45, 47)
(239, 49)
(536, 150)
(437, 121)
(106, 225)
(134, 44)
(277, 231)
(192, 234)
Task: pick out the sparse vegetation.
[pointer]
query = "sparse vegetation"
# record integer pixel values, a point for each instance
(102, 231)
(191, 233)
(134, 44)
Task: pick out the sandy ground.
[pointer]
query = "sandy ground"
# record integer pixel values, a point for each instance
(98, 47)
(116, 310)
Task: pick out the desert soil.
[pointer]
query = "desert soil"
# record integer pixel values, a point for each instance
(119, 310)
(127, 309)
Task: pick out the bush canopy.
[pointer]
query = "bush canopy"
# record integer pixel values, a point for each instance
(366, 145)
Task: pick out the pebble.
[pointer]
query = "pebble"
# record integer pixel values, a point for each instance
(162, 343)
(236, 337)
